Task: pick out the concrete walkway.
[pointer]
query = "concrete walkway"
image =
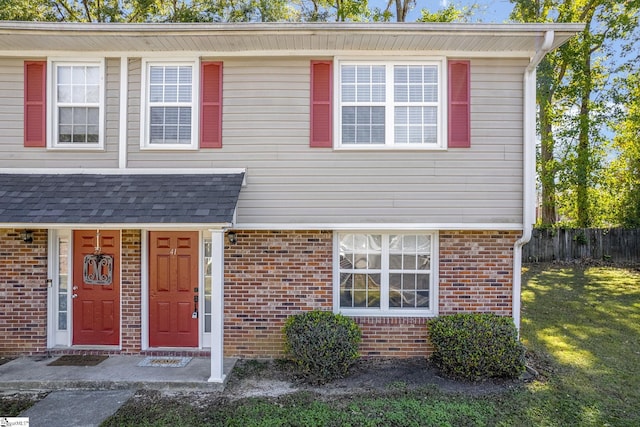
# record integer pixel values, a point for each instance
(116, 372)
(84, 396)
(77, 408)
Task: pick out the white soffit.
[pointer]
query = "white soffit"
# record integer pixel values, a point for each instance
(284, 38)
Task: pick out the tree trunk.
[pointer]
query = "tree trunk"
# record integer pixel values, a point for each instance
(583, 160)
(402, 10)
(547, 166)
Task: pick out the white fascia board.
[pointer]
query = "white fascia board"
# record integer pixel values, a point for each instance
(282, 28)
(276, 226)
(382, 226)
(284, 53)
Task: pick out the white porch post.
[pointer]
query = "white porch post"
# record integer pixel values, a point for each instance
(217, 306)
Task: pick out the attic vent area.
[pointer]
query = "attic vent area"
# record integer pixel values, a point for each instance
(98, 267)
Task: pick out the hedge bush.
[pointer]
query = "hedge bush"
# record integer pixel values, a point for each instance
(323, 345)
(476, 346)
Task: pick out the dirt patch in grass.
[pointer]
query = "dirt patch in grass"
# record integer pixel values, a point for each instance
(270, 389)
(370, 377)
(253, 378)
(13, 403)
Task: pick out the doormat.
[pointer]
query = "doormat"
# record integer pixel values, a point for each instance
(78, 360)
(165, 361)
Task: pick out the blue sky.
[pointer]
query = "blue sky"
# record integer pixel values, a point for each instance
(489, 11)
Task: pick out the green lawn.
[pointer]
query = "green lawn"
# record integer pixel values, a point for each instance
(584, 324)
(582, 327)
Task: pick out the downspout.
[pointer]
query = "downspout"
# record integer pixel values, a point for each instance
(529, 167)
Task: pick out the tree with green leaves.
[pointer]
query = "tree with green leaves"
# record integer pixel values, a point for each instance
(572, 101)
(450, 13)
(402, 8)
(131, 11)
(219, 11)
(334, 10)
(626, 167)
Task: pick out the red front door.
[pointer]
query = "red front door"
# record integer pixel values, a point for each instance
(173, 288)
(96, 307)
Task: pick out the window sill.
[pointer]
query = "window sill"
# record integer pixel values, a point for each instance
(76, 148)
(169, 148)
(363, 147)
(386, 313)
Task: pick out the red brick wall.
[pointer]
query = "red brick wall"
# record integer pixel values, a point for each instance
(131, 326)
(23, 293)
(476, 271)
(272, 275)
(269, 276)
(393, 337)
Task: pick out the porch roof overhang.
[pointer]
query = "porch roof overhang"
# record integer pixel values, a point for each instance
(290, 39)
(118, 200)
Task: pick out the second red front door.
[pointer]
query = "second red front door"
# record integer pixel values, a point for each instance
(173, 289)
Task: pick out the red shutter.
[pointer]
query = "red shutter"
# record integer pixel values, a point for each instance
(321, 97)
(211, 105)
(35, 105)
(459, 104)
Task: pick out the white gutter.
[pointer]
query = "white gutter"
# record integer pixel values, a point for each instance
(221, 29)
(529, 166)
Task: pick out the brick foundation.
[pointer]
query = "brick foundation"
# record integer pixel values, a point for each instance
(393, 337)
(23, 293)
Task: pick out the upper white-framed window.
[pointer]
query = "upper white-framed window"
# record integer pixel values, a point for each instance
(76, 103)
(395, 104)
(386, 274)
(169, 105)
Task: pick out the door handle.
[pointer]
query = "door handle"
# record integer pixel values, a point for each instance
(74, 295)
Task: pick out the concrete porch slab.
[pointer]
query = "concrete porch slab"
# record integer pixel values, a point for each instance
(117, 372)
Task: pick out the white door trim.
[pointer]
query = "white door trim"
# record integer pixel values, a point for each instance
(144, 289)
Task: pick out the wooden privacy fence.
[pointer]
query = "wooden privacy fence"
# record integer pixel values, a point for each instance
(607, 244)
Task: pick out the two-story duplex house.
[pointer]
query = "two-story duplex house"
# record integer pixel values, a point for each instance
(184, 188)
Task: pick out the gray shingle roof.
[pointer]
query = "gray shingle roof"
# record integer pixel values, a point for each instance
(121, 199)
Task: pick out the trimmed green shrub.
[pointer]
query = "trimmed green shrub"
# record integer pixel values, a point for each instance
(322, 344)
(476, 346)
